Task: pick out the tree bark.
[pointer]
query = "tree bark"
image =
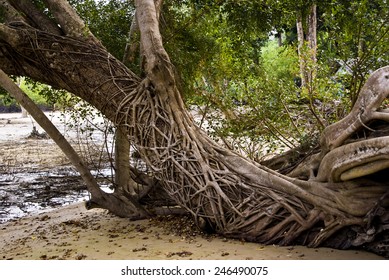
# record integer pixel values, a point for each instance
(123, 181)
(307, 45)
(301, 40)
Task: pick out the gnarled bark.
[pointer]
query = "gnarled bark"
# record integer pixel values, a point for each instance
(230, 194)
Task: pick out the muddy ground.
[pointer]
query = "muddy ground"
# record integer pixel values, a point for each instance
(51, 221)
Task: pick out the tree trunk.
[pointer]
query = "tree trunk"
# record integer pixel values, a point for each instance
(312, 42)
(307, 45)
(234, 196)
(24, 112)
(123, 182)
(301, 40)
(279, 38)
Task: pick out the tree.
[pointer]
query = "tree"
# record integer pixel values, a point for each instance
(354, 34)
(336, 197)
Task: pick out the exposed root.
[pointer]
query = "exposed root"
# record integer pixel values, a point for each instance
(355, 160)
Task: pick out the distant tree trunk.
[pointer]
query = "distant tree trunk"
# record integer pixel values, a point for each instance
(301, 40)
(279, 38)
(307, 45)
(24, 112)
(312, 42)
(336, 197)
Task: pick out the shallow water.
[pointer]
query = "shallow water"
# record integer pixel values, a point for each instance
(32, 192)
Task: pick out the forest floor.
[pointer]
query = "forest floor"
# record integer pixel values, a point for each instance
(66, 230)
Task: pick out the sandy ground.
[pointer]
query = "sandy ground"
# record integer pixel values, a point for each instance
(72, 232)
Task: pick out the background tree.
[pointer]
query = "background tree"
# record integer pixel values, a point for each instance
(354, 40)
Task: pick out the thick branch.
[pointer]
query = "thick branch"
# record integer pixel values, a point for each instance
(158, 64)
(69, 20)
(37, 17)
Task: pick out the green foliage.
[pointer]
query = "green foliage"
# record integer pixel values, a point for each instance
(280, 62)
(42, 95)
(5, 98)
(46, 96)
(2, 13)
(229, 64)
(355, 34)
(33, 91)
(207, 43)
(109, 21)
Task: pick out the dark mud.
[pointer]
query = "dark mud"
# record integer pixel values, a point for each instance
(26, 192)
(35, 175)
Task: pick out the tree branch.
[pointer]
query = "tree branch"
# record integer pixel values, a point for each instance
(157, 61)
(68, 19)
(37, 17)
